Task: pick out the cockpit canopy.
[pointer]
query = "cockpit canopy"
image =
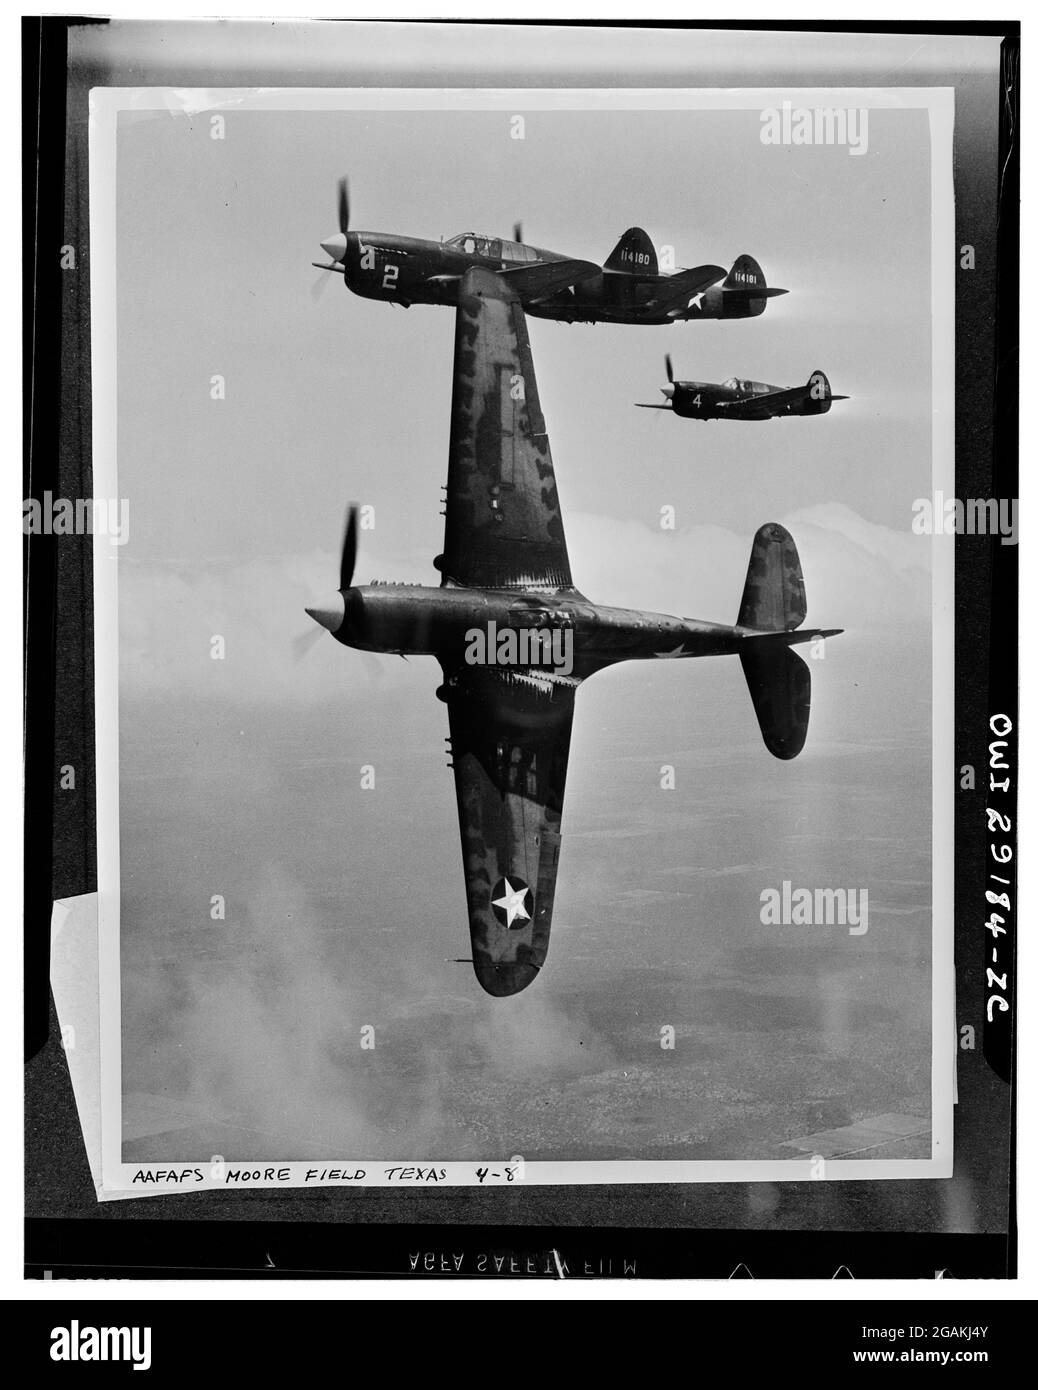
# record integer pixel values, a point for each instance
(492, 248)
(752, 388)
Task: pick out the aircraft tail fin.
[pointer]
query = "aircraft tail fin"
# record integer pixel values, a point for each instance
(633, 253)
(745, 275)
(746, 291)
(773, 598)
(774, 605)
(820, 392)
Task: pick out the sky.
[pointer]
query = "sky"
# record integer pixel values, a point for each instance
(242, 776)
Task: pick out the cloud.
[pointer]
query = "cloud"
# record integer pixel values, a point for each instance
(169, 615)
(251, 1043)
(858, 574)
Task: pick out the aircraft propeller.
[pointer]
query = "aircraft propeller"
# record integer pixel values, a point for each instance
(668, 390)
(335, 246)
(517, 233)
(348, 558)
(344, 206)
(301, 645)
(331, 612)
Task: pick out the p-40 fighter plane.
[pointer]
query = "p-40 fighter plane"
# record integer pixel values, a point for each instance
(515, 638)
(743, 400)
(628, 288)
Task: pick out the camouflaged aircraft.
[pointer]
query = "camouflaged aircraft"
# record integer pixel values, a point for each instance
(627, 288)
(515, 638)
(735, 399)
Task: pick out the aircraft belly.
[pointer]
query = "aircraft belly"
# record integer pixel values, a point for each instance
(617, 635)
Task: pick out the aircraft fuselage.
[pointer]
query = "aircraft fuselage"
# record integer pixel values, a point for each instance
(407, 270)
(418, 620)
(703, 400)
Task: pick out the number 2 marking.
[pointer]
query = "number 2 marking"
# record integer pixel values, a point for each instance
(389, 279)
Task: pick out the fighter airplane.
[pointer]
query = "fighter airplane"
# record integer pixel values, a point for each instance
(735, 399)
(627, 288)
(515, 638)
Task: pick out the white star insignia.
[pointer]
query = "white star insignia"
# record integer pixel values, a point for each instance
(512, 903)
(696, 302)
(679, 650)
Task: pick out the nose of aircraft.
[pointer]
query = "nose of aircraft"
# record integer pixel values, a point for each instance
(330, 613)
(335, 246)
(668, 391)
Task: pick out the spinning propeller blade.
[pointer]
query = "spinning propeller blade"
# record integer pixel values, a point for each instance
(331, 612)
(301, 645)
(348, 558)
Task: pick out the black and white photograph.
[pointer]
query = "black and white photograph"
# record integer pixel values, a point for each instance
(521, 715)
(370, 393)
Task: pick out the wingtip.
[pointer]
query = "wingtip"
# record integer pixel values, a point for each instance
(502, 980)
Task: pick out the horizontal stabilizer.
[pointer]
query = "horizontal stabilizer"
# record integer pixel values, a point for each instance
(532, 282)
(747, 292)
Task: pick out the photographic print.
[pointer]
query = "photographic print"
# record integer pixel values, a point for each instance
(427, 853)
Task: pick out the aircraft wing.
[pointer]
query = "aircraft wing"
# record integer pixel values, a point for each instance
(675, 291)
(774, 401)
(510, 734)
(503, 523)
(545, 277)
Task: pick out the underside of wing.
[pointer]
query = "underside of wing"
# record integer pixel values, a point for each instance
(503, 521)
(537, 281)
(510, 734)
(774, 401)
(675, 291)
